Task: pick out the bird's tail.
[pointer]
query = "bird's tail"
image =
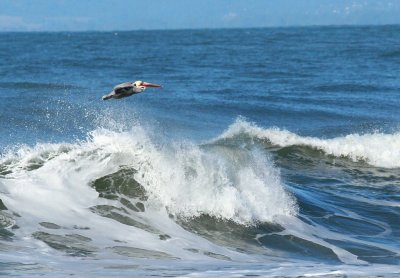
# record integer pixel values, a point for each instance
(110, 95)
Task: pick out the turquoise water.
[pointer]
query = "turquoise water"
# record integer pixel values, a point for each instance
(268, 152)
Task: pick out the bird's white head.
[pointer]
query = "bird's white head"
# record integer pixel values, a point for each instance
(143, 85)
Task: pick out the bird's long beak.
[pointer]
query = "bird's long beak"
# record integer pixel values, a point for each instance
(146, 84)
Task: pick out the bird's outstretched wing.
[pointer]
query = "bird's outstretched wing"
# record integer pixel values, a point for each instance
(122, 88)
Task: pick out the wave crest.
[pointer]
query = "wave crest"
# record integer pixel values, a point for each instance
(377, 149)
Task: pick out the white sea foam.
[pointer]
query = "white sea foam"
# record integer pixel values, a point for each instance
(241, 186)
(377, 149)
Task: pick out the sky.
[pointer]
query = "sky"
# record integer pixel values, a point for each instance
(113, 15)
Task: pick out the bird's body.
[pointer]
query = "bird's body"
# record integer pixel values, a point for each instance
(129, 88)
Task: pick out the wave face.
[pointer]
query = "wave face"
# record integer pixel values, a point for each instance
(378, 149)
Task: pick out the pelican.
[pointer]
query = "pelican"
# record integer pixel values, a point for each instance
(129, 88)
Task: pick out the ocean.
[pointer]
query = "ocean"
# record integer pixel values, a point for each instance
(270, 152)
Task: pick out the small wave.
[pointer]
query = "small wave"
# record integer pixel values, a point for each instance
(391, 54)
(377, 149)
(351, 88)
(37, 85)
(24, 158)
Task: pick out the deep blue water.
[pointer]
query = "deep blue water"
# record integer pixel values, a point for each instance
(271, 151)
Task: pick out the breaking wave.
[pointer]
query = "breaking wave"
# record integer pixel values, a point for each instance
(186, 179)
(377, 149)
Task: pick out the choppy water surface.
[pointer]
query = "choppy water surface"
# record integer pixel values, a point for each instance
(269, 152)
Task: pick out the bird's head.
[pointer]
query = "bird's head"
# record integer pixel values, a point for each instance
(143, 85)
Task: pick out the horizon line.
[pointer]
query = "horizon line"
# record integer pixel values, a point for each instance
(202, 28)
